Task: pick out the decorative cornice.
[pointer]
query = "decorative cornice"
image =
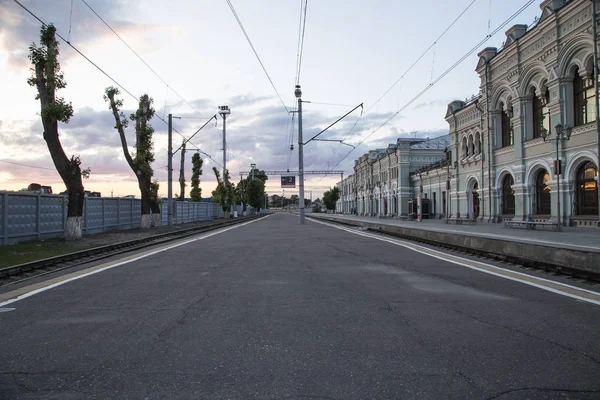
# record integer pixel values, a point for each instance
(579, 130)
(533, 142)
(504, 150)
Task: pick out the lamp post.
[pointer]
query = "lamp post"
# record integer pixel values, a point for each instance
(298, 94)
(562, 133)
(224, 111)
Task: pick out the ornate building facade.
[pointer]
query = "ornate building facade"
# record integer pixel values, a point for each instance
(535, 115)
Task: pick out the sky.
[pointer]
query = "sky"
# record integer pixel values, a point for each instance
(196, 58)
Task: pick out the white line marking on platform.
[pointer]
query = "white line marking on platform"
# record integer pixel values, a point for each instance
(538, 242)
(95, 271)
(563, 289)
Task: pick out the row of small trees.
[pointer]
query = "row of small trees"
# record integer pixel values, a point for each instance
(248, 191)
(331, 197)
(48, 78)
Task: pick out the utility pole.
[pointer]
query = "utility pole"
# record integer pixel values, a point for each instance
(170, 174)
(224, 112)
(181, 173)
(298, 94)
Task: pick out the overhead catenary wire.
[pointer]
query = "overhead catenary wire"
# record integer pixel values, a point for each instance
(440, 77)
(77, 50)
(27, 165)
(70, 21)
(299, 37)
(299, 67)
(97, 67)
(145, 63)
(256, 54)
(399, 80)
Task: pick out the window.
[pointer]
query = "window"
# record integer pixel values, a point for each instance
(464, 148)
(507, 134)
(444, 209)
(508, 196)
(584, 99)
(541, 116)
(542, 193)
(434, 203)
(587, 190)
(470, 146)
(477, 143)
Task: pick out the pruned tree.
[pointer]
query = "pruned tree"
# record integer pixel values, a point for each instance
(224, 192)
(196, 192)
(48, 78)
(140, 161)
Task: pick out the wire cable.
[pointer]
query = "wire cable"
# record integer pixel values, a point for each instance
(464, 57)
(144, 61)
(70, 20)
(399, 80)
(256, 54)
(101, 70)
(299, 36)
(27, 165)
(77, 50)
(301, 44)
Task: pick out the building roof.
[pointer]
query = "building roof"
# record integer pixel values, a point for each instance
(440, 142)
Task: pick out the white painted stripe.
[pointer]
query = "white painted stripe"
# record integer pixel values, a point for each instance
(52, 286)
(469, 264)
(485, 234)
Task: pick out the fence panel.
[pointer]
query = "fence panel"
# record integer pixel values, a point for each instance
(27, 216)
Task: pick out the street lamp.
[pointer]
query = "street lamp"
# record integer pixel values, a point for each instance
(298, 94)
(562, 133)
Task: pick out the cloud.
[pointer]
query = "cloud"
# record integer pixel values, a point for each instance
(18, 29)
(432, 103)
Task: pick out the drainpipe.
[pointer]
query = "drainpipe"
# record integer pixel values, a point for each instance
(457, 163)
(481, 156)
(594, 24)
(489, 156)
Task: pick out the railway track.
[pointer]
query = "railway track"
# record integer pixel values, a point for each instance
(22, 272)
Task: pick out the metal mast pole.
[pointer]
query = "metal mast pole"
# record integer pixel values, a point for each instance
(224, 111)
(224, 146)
(170, 174)
(298, 94)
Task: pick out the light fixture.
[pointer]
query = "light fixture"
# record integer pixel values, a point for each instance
(544, 133)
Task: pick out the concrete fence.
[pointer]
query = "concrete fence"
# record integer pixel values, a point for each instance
(25, 216)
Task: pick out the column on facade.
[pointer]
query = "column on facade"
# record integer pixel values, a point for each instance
(404, 191)
(561, 112)
(523, 131)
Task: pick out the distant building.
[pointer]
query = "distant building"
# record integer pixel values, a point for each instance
(498, 165)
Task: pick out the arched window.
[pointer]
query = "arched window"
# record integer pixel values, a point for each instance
(464, 148)
(538, 114)
(470, 146)
(584, 99)
(477, 143)
(587, 189)
(507, 134)
(541, 116)
(542, 193)
(508, 196)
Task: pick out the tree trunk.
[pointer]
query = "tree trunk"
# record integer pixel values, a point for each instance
(69, 170)
(144, 185)
(156, 214)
